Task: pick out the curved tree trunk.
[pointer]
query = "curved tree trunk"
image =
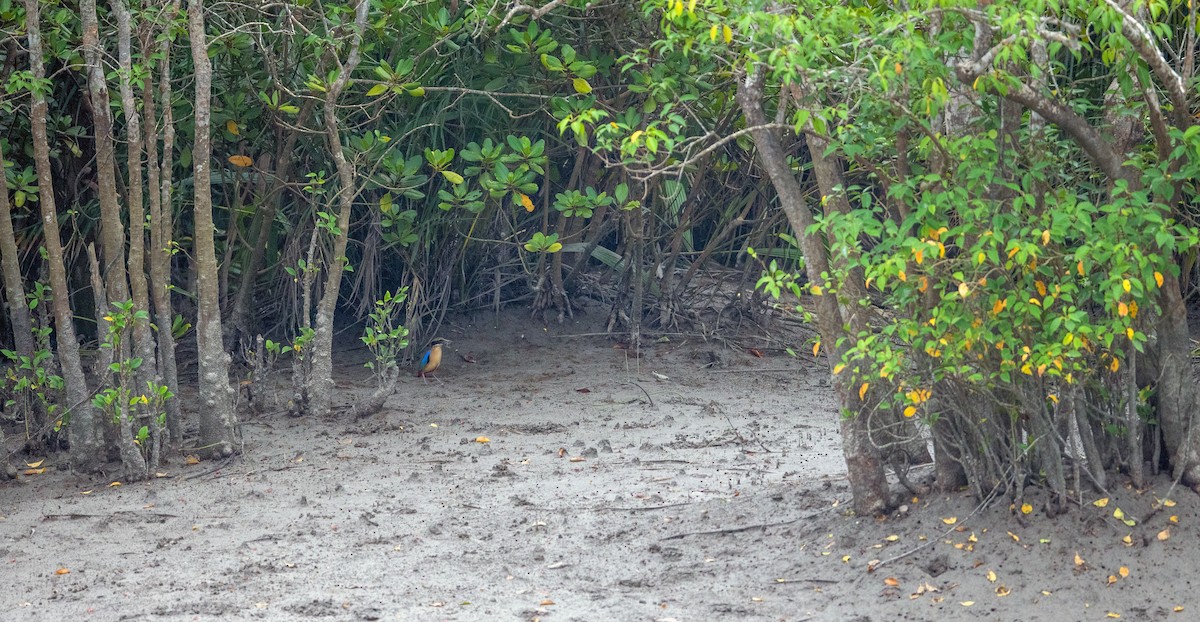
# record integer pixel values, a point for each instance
(83, 429)
(320, 376)
(218, 421)
(867, 480)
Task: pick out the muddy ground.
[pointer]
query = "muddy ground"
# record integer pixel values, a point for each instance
(697, 482)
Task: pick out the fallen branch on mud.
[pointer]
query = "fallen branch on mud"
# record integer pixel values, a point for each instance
(721, 532)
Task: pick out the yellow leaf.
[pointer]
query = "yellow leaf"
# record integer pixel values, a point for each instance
(951, 520)
(910, 411)
(1166, 502)
(862, 391)
(892, 538)
(1041, 288)
(991, 576)
(377, 90)
(1026, 508)
(1113, 615)
(837, 369)
(1112, 579)
(232, 127)
(727, 33)
(903, 276)
(815, 289)
(1045, 237)
(1129, 333)
(1177, 609)
(924, 285)
(191, 459)
(482, 439)
(1174, 519)
(1079, 267)
(1164, 534)
(453, 177)
(240, 160)
(1013, 251)
(1122, 309)
(816, 348)
(526, 201)
(581, 86)
(963, 290)
(980, 257)
(1123, 571)
(1127, 540)
(712, 33)
(1118, 514)
(114, 484)
(1079, 560)
(1002, 591)
(34, 465)
(1053, 398)
(62, 571)
(1133, 309)
(546, 603)
(1014, 536)
(999, 305)
(919, 255)
(845, 559)
(1125, 285)
(1158, 278)
(967, 603)
(1114, 366)
(899, 68)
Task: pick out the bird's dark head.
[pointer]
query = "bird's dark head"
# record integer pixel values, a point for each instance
(439, 341)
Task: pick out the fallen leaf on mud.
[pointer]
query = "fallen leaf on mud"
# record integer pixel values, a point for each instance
(967, 603)
(756, 353)
(1174, 519)
(1026, 508)
(1046, 592)
(1111, 579)
(114, 484)
(891, 582)
(951, 520)
(546, 603)
(1100, 502)
(160, 474)
(562, 451)
(972, 537)
(578, 459)
(1169, 503)
(1113, 615)
(1014, 536)
(468, 358)
(1177, 609)
(1123, 571)
(191, 459)
(1164, 534)
(1043, 540)
(439, 604)
(62, 571)
(433, 425)
(482, 439)
(583, 390)
(757, 599)
(86, 492)
(1128, 540)
(34, 465)
(845, 559)
(892, 538)
(1118, 514)
(35, 471)
(991, 576)
(1003, 591)
(1079, 560)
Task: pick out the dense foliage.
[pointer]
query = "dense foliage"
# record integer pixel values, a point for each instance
(987, 209)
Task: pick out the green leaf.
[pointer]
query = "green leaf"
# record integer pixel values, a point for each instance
(581, 86)
(377, 90)
(453, 177)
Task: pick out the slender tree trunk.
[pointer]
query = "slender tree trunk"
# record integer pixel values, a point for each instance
(320, 379)
(161, 226)
(18, 310)
(112, 231)
(868, 482)
(83, 429)
(218, 421)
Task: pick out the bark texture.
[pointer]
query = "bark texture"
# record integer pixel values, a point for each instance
(83, 429)
(218, 420)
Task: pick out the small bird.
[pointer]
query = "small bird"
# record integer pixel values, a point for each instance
(432, 358)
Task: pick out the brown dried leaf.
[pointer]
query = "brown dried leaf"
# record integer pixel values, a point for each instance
(62, 571)
(891, 582)
(1164, 534)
